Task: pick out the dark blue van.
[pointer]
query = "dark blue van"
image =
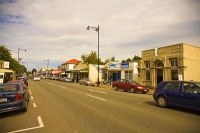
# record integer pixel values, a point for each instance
(185, 94)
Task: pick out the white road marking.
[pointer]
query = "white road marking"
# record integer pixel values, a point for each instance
(62, 87)
(32, 97)
(34, 105)
(40, 126)
(98, 91)
(96, 97)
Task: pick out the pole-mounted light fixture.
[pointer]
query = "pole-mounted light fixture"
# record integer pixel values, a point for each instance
(18, 52)
(47, 65)
(96, 29)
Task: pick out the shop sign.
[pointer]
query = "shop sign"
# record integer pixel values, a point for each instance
(125, 65)
(112, 66)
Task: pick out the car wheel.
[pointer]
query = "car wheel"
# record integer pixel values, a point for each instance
(132, 90)
(115, 88)
(25, 107)
(162, 102)
(86, 84)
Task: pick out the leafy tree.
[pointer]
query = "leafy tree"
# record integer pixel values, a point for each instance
(34, 71)
(136, 58)
(123, 61)
(91, 58)
(127, 60)
(6, 56)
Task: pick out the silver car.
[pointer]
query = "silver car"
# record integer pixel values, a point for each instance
(66, 79)
(86, 82)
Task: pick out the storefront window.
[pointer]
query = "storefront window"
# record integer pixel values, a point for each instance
(129, 75)
(174, 74)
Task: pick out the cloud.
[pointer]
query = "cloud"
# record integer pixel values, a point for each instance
(56, 30)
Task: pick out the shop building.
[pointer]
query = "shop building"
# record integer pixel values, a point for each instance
(85, 70)
(173, 62)
(127, 70)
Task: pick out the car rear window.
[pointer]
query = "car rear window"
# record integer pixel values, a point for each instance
(8, 88)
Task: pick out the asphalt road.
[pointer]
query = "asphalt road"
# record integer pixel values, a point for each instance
(58, 107)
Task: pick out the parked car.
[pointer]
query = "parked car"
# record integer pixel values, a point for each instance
(36, 78)
(129, 85)
(23, 79)
(66, 79)
(13, 97)
(19, 81)
(185, 94)
(86, 82)
(47, 77)
(55, 77)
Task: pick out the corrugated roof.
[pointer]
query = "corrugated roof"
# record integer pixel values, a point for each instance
(72, 61)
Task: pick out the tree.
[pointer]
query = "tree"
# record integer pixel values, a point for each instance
(123, 61)
(136, 58)
(6, 56)
(34, 71)
(91, 58)
(127, 60)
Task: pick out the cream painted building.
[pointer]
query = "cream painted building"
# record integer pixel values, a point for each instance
(173, 62)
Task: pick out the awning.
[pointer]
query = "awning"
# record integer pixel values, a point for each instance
(56, 72)
(80, 70)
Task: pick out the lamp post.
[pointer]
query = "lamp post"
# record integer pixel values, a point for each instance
(18, 57)
(37, 67)
(47, 65)
(18, 52)
(96, 29)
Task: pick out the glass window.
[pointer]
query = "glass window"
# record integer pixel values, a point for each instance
(128, 74)
(174, 62)
(172, 86)
(190, 88)
(147, 74)
(174, 74)
(147, 64)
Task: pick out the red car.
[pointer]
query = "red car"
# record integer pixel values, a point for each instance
(129, 85)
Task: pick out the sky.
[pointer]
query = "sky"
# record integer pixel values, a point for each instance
(56, 30)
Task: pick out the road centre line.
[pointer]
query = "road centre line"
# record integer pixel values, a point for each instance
(96, 97)
(40, 126)
(98, 91)
(62, 86)
(32, 97)
(34, 105)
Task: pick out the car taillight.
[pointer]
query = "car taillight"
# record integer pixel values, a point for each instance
(18, 97)
(154, 91)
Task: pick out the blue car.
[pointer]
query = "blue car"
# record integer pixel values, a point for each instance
(185, 94)
(13, 96)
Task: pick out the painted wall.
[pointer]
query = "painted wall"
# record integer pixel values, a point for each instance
(93, 73)
(191, 56)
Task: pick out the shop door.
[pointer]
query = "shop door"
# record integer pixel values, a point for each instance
(159, 75)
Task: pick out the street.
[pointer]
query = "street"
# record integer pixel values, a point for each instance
(60, 107)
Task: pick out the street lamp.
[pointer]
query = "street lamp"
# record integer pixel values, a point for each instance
(47, 65)
(23, 62)
(96, 29)
(18, 52)
(37, 67)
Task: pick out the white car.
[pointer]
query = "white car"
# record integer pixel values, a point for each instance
(36, 78)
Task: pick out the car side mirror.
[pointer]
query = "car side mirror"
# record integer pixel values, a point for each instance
(198, 92)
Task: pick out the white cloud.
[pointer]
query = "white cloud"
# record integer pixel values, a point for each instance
(56, 30)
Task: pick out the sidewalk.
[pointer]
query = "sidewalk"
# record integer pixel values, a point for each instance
(151, 91)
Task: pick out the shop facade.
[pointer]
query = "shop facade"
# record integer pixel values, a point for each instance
(128, 70)
(173, 62)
